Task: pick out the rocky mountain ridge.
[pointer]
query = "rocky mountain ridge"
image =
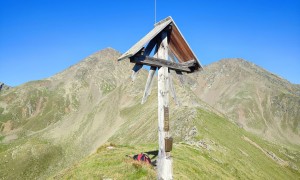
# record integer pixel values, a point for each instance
(256, 99)
(50, 124)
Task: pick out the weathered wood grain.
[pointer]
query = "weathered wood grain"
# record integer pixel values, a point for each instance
(135, 70)
(177, 44)
(146, 52)
(140, 44)
(148, 86)
(164, 161)
(158, 62)
(152, 71)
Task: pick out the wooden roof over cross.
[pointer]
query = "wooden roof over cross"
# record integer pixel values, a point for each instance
(181, 56)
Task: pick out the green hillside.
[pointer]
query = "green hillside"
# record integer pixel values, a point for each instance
(60, 127)
(218, 150)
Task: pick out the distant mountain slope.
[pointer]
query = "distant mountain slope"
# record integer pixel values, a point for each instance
(66, 117)
(47, 125)
(62, 118)
(211, 148)
(256, 99)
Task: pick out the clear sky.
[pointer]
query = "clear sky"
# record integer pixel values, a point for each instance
(39, 38)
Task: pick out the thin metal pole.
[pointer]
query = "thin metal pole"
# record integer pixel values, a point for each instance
(154, 11)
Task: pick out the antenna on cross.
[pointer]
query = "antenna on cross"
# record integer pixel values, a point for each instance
(154, 11)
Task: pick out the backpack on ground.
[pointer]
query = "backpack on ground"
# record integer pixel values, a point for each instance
(142, 157)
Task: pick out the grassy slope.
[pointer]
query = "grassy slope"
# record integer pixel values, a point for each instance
(29, 158)
(49, 124)
(56, 127)
(223, 153)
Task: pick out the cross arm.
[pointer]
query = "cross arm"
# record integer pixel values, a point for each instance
(157, 62)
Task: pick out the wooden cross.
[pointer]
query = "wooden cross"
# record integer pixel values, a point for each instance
(171, 53)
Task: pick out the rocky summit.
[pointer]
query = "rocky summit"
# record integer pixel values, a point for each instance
(235, 121)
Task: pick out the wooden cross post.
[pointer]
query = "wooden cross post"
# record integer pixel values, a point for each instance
(164, 162)
(172, 52)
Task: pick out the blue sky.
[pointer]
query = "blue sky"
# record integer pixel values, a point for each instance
(41, 38)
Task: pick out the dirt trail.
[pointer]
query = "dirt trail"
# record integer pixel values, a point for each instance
(270, 154)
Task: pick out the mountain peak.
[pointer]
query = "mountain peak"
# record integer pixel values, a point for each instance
(239, 62)
(69, 115)
(241, 67)
(108, 50)
(248, 93)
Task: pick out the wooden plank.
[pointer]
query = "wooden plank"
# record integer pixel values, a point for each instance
(180, 47)
(152, 71)
(137, 67)
(164, 161)
(177, 43)
(148, 86)
(135, 70)
(189, 63)
(140, 44)
(152, 68)
(158, 62)
(163, 21)
(150, 47)
(166, 120)
(147, 51)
